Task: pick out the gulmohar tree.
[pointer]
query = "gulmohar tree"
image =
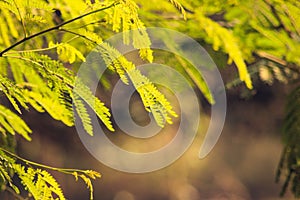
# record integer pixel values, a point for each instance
(41, 49)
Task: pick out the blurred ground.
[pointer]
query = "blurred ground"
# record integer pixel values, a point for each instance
(242, 165)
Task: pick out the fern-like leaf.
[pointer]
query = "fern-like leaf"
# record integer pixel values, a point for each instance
(66, 52)
(13, 93)
(83, 114)
(53, 185)
(12, 123)
(179, 7)
(222, 37)
(152, 99)
(125, 17)
(100, 109)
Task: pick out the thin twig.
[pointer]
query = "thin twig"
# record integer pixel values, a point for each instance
(21, 18)
(43, 49)
(37, 63)
(92, 23)
(57, 27)
(63, 170)
(271, 57)
(12, 192)
(77, 34)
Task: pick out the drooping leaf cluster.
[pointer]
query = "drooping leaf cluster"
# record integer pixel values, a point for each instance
(36, 181)
(40, 51)
(258, 33)
(46, 84)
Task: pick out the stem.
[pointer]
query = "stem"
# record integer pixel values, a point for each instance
(21, 18)
(293, 21)
(57, 27)
(39, 50)
(92, 23)
(63, 170)
(12, 192)
(77, 34)
(271, 57)
(37, 63)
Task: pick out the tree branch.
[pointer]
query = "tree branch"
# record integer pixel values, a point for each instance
(57, 27)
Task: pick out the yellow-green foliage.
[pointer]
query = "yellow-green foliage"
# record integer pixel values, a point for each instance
(45, 83)
(33, 34)
(12, 123)
(40, 51)
(39, 183)
(66, 52)
(222, 37)
(246, 31)
(153, 100)
(124, 17)
(262, 35)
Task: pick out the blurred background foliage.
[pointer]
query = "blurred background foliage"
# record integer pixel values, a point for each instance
(260, 38)
(262, 33)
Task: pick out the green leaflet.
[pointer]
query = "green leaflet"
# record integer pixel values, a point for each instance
(49, 95)
(3, 67)
(112, 59)
(67, 53)
(191, 71)
(153, 100)
(12, 123)
(222, 37)
(53, 105)
(39, 183)
(125, 17)
(13, 93)
(6, 164)
(10, 23)
(179, 7)
(199, 81)
(40, 94)
(4, 35)
(83, 114)
(99, 108)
